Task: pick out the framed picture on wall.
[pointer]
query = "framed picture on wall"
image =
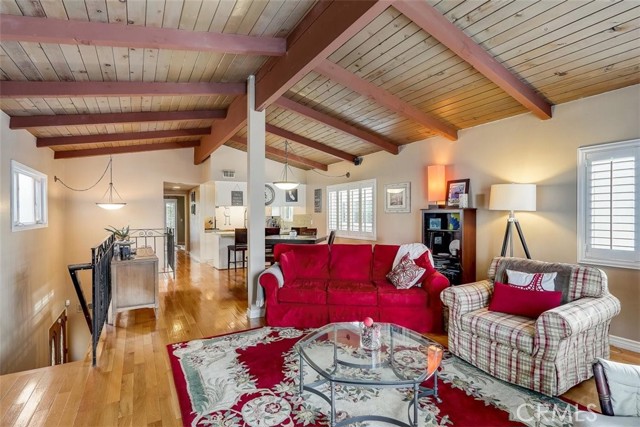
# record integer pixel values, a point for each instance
(397, 198)
(193, 197)
(291, 196)
(317, 200)
(193, 208)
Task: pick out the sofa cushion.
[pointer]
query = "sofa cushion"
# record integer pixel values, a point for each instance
(349, 292)
(424, 261)
(304, 291)
(512, 331)
(350, 262)
(383, 256)
(406, 273)
(288, 266)
(390, 296)
(312, 261)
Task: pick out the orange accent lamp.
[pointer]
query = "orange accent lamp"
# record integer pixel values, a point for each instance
(436, 184)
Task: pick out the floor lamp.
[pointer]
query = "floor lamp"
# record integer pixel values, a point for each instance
(513, 197)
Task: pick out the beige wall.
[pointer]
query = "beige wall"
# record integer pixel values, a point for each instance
(34, 283)
(519, 149)
(139, 178)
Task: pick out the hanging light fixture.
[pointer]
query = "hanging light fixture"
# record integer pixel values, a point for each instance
(109, 203)
(284, 183)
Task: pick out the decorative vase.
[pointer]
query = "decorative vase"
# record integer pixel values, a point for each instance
(370, 336)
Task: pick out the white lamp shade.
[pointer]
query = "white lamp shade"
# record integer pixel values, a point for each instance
(513, 197)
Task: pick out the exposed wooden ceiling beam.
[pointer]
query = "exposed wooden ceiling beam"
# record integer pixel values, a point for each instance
(125, 149)
(292, 158)
(28, 89)
(386, 99)
(23, 122)
(338, 125)
(438, 26)
(283, 133)
(323, 29)
(58, 31)
(129, 136)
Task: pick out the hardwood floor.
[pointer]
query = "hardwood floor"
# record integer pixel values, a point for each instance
(132, 384)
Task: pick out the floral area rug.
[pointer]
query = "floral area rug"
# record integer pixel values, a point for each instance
(251, 378)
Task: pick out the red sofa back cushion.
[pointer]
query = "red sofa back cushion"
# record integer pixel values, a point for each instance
(350, 262)
(312, 261)
(383, 256)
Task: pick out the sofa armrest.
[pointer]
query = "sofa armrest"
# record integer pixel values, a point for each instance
(270, 281)
(571, 319)
(465, 298)
(434, 284)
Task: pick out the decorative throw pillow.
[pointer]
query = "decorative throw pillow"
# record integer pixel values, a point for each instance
(532, 281)
(405, 274)
(522, 302)
(424, 261)
(288, 266)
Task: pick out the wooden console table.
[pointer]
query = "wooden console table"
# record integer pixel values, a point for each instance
(134, 284)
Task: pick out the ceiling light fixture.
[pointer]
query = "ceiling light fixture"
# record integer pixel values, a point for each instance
(285, 184)
(109, 203)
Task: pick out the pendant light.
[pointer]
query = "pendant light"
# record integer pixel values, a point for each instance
(284, 183)
(109, 203)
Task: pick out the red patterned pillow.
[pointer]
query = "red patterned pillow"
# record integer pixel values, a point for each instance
(424, 261)
(521, 302)
(288, 266)
(405, 274)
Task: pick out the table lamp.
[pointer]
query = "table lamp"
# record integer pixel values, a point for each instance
(513, 197)
(436, 185)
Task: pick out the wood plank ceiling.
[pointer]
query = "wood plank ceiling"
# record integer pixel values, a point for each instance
(394, 73)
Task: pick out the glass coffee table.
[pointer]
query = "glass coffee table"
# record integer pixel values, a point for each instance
(405, 359)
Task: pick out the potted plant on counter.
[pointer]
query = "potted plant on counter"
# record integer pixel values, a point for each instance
(122, 240)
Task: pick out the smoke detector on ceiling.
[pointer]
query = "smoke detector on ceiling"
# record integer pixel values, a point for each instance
(228, 174)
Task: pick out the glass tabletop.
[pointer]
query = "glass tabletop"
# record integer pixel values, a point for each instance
(335, 352)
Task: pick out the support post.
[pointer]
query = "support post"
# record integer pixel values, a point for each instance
(256, 213)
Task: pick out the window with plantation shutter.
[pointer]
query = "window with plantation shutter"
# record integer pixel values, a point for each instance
(351, 209)
(609, 204)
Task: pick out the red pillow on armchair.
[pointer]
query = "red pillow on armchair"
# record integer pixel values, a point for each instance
(521, 302)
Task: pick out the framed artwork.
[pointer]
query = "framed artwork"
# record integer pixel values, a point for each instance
(435, 223)
(193, 196)
(454, 189)
(317, 200)
(193, 208)
(291, 196)
(397, 198)
(237, 198)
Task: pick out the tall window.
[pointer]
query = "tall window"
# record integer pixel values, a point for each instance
(609, 204)
(28, 197)
(351, 209)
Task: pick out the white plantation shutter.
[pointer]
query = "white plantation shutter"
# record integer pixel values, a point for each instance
(351, 209)
(608, 204)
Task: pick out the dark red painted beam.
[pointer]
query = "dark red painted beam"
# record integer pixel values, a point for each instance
(27, 89)
(338, 125)
(23, 122)
(126, 149)
(130, 136)
(292, 158)
(386, 99)
(325, 28)
(440, 28)
(283, 133)
(59, 31)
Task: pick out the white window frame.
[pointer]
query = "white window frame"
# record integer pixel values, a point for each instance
(606, 257)
(350, 233)
(40, 204)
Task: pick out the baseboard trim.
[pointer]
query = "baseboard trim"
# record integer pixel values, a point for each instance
(625, 343)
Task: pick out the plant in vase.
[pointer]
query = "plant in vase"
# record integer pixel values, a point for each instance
(122, 234)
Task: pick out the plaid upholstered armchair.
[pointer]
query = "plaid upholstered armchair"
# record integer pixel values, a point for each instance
(549, 354)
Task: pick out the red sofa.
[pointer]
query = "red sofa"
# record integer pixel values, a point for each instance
(339, 283)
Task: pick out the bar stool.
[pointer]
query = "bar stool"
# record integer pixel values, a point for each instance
(268, 249)
(240, 245)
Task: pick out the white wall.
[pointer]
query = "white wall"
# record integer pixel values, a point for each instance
(519, 149)
(33, 280)
(139, 179)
